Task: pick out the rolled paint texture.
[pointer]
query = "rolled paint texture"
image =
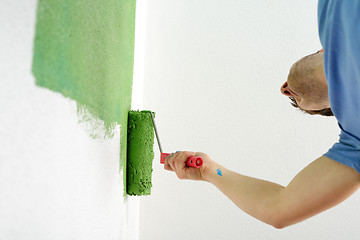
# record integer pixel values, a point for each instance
(85, 51)
(140, 153)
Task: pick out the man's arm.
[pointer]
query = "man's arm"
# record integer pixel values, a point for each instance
(321, 185)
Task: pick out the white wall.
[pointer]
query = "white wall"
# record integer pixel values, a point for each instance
(55, 181)
(213, 71)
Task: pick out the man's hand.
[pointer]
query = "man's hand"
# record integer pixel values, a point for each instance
(177, 163)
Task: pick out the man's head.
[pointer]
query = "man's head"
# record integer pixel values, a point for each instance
(306, 85)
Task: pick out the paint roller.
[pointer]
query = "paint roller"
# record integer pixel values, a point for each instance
(140, 142)
(140, 153)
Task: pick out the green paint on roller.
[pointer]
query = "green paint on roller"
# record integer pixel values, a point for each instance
(140, 153)
(85, 51)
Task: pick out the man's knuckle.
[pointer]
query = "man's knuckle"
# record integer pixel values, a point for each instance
(189, 153)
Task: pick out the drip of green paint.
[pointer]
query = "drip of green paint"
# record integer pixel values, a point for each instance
(140, 153)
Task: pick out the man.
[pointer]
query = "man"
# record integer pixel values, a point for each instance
(327, 83)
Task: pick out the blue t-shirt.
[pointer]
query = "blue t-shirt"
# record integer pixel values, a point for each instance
(339, 31)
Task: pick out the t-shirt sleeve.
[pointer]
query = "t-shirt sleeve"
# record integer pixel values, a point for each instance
(339, 31)
(346, 151)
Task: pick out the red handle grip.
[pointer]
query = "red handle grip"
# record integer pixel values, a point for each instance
(193, 161)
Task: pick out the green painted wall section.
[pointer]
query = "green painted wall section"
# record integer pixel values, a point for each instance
(85, 51)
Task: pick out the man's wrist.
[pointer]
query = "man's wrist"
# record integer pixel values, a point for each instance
(211, 172)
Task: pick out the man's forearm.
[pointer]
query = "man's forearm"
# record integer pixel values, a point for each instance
(256, 197)
(321, 185)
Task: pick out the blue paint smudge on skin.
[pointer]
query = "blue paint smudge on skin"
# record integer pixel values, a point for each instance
(219, 172)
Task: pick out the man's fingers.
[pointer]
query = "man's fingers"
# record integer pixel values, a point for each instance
(169, 163)
(168, 167)
(180, 164)
(176, 162)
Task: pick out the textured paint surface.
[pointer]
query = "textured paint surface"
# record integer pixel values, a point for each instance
(85, 51)
(140, 153)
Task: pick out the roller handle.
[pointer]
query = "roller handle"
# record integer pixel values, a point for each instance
(192, 161)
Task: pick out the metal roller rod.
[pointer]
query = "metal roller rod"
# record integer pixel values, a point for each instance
(156, 132)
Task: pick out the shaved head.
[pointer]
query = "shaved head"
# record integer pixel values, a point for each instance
(307, 79)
